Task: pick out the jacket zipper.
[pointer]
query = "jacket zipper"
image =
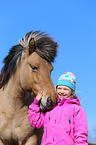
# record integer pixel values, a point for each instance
(70, 124)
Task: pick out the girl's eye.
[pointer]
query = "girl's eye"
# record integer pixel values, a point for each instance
(59, 88)
(34, 68)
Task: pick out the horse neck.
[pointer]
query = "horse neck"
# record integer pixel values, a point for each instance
(11, 92)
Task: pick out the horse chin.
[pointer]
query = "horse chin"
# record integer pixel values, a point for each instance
(42, 107)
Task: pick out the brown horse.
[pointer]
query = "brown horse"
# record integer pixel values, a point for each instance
(26, 71)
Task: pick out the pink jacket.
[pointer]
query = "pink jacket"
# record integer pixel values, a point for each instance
(65, 124)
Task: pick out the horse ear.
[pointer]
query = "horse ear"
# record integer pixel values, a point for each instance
(31, 46)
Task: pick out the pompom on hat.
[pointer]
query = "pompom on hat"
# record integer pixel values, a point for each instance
(67, 79)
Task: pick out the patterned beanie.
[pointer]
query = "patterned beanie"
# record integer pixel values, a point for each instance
(67, 79)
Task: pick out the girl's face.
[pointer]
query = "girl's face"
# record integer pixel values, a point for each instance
(64, 92)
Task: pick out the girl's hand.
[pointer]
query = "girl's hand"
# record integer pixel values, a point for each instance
(39, 95)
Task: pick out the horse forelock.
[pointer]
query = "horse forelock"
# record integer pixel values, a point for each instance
(46, 48)
(33, 41)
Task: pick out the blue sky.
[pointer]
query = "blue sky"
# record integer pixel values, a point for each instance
(72, 23)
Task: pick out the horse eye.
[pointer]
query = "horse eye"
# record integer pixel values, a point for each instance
(34, 68)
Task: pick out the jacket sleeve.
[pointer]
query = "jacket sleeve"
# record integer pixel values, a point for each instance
(35, 116)
(80, 126)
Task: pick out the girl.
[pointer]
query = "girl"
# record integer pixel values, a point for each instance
(66, 123)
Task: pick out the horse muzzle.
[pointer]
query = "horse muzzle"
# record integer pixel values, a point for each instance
(46, 105)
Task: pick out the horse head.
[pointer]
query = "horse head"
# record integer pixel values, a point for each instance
(30, 63)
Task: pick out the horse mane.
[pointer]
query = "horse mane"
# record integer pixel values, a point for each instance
(33, 41)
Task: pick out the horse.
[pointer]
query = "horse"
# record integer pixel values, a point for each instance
(26, 71)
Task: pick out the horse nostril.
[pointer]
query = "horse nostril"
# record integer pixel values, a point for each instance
(49, 101)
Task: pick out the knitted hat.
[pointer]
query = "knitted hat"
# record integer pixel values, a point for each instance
(67, 79)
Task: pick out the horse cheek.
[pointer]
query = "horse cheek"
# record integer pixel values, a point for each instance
(36, 83)
(25, 79)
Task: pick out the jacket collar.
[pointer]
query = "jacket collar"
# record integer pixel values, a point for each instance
(74, 100)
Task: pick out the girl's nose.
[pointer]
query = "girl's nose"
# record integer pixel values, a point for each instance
(62, 91)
